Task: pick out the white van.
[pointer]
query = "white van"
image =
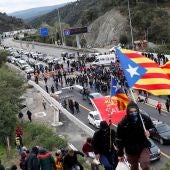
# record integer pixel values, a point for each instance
(104, 59)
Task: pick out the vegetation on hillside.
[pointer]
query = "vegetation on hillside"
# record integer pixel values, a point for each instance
(8, 23)
(150, 19)
(11, 89)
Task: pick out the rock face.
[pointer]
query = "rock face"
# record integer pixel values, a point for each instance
(106, 29)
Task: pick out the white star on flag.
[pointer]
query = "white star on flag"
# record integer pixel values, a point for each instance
(117, 87)
(132, 70)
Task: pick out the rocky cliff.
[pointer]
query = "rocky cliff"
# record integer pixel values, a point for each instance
(106, 29)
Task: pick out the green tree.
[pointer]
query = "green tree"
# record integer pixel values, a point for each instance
(3, 55)
(11, 88)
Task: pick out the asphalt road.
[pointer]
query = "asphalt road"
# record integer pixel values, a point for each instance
(86, 107)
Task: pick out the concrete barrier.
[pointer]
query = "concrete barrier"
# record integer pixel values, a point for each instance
(57, 46)
(58, 105)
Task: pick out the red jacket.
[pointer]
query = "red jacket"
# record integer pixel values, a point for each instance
(87, 148)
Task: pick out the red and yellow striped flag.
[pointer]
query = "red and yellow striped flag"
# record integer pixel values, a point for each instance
(122, 100)
(155, 80)
(166, 68)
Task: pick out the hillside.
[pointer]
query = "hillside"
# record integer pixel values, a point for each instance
(8, 23)
(106, 29)
(150, 20)
(32, 13)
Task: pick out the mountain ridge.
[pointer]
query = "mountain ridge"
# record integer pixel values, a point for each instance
(32, 13)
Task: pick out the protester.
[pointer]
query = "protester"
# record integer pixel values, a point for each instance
(46, 160)
(76, 105)
(1, 166)
(13, 167)
(24, 154)
(59, 160)
(32, 161)
(71, 161)
(44, 104)
(159, 107)
(89, 152)
(133, 139)
(20, 116)
(87, 147)
(29, 114)
(167, 104)
(104, 146)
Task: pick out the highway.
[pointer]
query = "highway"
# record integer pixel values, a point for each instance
(86, 107)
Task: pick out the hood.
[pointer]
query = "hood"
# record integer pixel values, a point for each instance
(132, 105)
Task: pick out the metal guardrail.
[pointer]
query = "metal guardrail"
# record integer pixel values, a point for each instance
(57, 46)
(58, 105)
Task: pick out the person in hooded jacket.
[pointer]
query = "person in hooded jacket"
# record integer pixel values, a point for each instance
(46, 160)
(103, 143)
(133, 139)
(32, 161)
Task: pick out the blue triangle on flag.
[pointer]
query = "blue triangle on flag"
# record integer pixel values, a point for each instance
(133, 71)
(115, 88)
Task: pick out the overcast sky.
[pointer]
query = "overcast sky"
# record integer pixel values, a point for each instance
(9, 6)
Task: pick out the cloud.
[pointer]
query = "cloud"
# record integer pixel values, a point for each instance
(9, 6)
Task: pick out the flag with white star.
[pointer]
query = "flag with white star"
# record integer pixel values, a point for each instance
(133, 71)
(115, 87)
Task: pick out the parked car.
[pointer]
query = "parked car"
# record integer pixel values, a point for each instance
(155, 152)
(29, 69)
(162, 134)
(93, 95)
(94, 118)
(9, 59)
(22, 64)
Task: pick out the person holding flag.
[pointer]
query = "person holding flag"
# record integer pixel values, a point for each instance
(135, 128)
(133, 139)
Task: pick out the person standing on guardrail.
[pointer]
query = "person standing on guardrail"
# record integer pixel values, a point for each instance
(159, 107)
(132, 139)
(104, 146)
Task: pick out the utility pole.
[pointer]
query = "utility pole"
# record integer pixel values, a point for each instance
(61, 32)
(131, 28)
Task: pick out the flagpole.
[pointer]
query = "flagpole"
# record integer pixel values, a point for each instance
(133, 98)
(110, 116)
(110, 120)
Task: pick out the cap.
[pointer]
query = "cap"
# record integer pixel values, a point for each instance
(132, 105)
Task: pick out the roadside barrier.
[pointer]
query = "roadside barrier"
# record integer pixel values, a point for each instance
(58, 105)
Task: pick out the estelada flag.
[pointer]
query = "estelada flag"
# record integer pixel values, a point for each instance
(166, 68)
(118, 94)
(108, 109)
(143, 73)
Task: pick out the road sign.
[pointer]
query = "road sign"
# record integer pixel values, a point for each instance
(73, 31)
(43, 32)
(66, 32)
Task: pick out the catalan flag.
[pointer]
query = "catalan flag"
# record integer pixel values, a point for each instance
(143, 73)
(118, 94)
(166, 68)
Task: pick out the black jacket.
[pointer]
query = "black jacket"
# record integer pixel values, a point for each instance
(131, 136)
(32, 162)
(103, 142)
(70, 161)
